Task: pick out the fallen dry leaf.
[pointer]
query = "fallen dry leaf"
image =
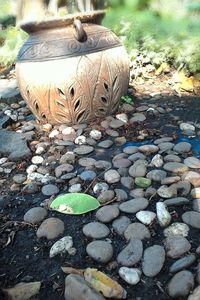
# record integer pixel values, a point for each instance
(182, 83)
(104, 284)
(164, 68)
(70, 270)
(23, 291)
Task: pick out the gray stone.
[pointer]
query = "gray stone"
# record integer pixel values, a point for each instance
(138, 118)
(176, 229)
(119, 225)
(35, 215)
(187, 126)
(176, 246)
(106, 196)
(5, 121)
(137, 231)
(112, 132)
(195, 193)
(14, 145)
(121, 195)
(170, 180)
(9, 91)
(102, 164)
(182, 263)
(137, 193)
(153, 261)
(166, 192)
(86, 162)
(134, 205)
(100, 251)
(19, 178)
(196, 205)
(127, 182)
(107, 213)
(192, 218)
(78, 288)
(30, 188)
(112, 176)
(50, 228)
(172, 158)
(83, 150)
(122, 163)
(137, 156)
(195, 295)
(130, 150)
(157, 161)
(192, 162)
(130, 275)
(50, 189)
(115, 124)
(183, 187)
(166, 146)
(65, 168)
(131, 254)
(182, 147)
(176, 168)
(181, 284)
(178, 201)
(198, 273)
(146, 217)
(138, 169)
(163, 140)
(88, 175)
(156, 175)
(150, 149)
(96, 230)
(105, 144)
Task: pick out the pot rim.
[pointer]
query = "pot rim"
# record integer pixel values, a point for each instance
(95, 17)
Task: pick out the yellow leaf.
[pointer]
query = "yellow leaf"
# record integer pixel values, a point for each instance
(164, 68)
(23, 291)
(104, 284)
(70, 270)
(184, 83)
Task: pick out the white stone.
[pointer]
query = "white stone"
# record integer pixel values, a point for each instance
(68, 130)
(61, 246)
(186, 127)
(163, 216)
(130, 275)
(95, 134)
(157, 161)
(100, 187)
(80, 140)
(34, 176)
(37, 160)
(166, 192)
(177, 229)
(3, 160)
(145, 217)
(75, 188)
(31, 169)
(39, 150)
(53, 133)
(122, 117)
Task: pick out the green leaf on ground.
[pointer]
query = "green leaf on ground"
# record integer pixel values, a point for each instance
(127, 99)
(75, 203)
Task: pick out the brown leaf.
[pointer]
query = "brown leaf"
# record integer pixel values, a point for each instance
(70, 270)
(23, 291)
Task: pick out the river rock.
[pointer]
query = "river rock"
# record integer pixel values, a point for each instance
(127, 182)
(170, 180)
(195, 193)
(195, 295)
(83, 150)
(177, 229)
(50, 228)
(138, 169)
(142, 182)
(100, 251)
(175, 167)
(157, 161)
(19, 178)
(134, 205)
(150, 149)
(130, 275)
(172, 158)
(61, 246)
(105, 144)
(137, 231)
(182, 263)
(163, 216)
(107, 213)
(146, 217)
(130, 150)
(88, 175)
(196, 205)
(106, 196)
(157, 175)
(166, 192)
(179, 201)
(192, 162)
(131, 254)
(111, 176)
(50, 189)
(137, 118)
(76, 287)
(192, 177)
(181, 284)
(176, 246)
(153, 261)
(192, 218)
(182, 147)
(119, 225)
(96, 230)
(35, 215)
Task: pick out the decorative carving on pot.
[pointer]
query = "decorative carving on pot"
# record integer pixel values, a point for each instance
(72, 70)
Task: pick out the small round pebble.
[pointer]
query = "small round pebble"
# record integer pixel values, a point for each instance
(137, 231)
(37, 160)
(130, 275)
(100, 251)
(192, 218)
(107, 213)
(153, 261)
(50, 228)
(181, 284)
(111, 176)
(119, 225)
(50, 189)
(35, 215)
(96, 230)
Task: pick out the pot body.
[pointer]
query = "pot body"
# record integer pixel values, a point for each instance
(69, 79)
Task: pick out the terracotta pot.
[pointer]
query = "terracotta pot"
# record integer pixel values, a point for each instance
(72, 70)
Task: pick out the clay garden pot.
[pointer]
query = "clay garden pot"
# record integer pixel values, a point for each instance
(72, 70)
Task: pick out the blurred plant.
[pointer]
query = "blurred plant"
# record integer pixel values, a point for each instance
(127, 99)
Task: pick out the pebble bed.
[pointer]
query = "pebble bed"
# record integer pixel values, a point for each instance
(146, 231)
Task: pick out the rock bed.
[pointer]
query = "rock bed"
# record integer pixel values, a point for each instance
(145, 235)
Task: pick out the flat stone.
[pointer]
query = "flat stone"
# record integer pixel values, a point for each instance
(102, 164)
(100, 251)
(137, 193)
(50, 189)
(176, 246)
(83, 150)
(146, 217)
(86, 162)
(156, 175)
(107, 213)
(137, 231)
(176, 229)
(192, 162)
(5, 121)
(192, 177)
(115, 124)
(131, 254)
(163, 140)
(138, 118)
(178, 201)
(111, 176)
(35, 215)
(105, 144)
(75, 188)
(64, 168)
(138, 169)
(121, 195)
(181, 284)
(186, 127)
(148, 149)
(142, 182)
(153, 261)
(106, 196)
(157, 161)
(50, 228)
(195, 193)
(130, 275)
(14, 145)
(122, 163)
(137, 156)
(182, 263)
(127, 182)
(166, 192)
(166, 146)
(19, 178)
(182, 147)
(37, 160)
(196, 205)
(88, 175)
(96, 230)
(119, 225)
(112, 133)
(183, 188)
(172, 158)
(76, 287)
(170, 180)
(174, 167)
(130, 150)
(134, 205)
(195, 295)
(192, 218)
